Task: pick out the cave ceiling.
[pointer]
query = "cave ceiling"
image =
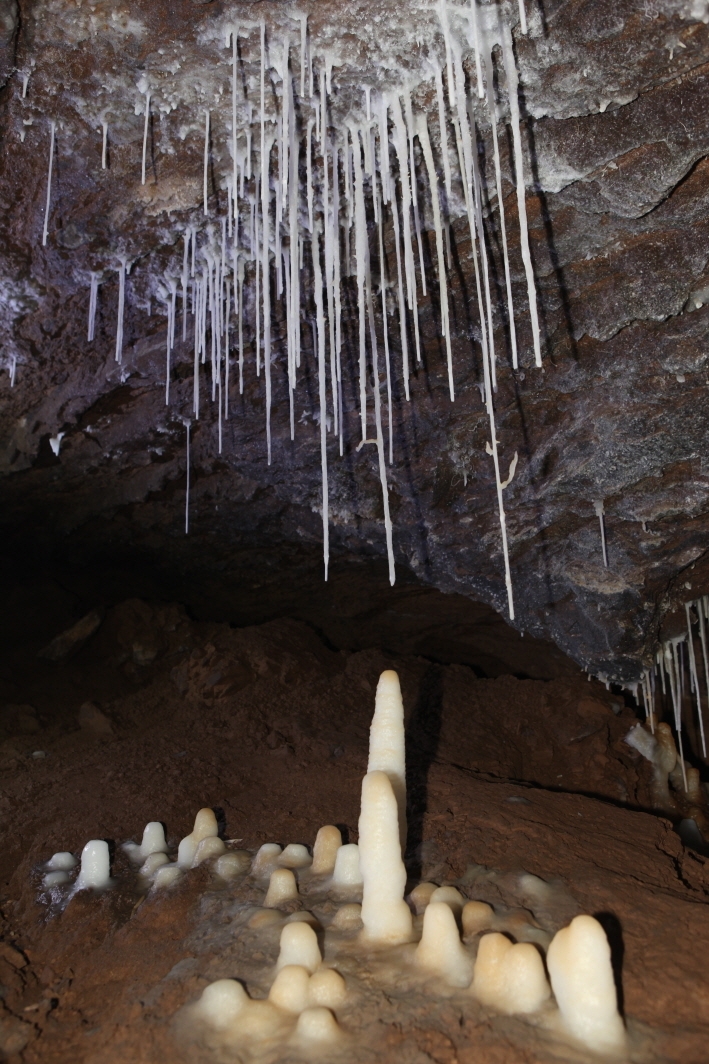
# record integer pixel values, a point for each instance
(615, 130)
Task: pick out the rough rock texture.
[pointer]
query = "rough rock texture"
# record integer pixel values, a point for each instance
(242, 720)
(617, 134)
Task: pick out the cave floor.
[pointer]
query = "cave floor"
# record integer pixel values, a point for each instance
(155, 716)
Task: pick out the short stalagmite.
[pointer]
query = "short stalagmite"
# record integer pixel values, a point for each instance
(205, 826)
(348, 871)
(579, 963)
(509, 978)
(440, 949)
(299, 945)
(95, 866)
(282, 887)
(327, 844)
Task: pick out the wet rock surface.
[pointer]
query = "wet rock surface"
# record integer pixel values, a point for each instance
(616, 135)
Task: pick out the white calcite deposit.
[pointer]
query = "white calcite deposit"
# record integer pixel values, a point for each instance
(317, 964)
(579, 963)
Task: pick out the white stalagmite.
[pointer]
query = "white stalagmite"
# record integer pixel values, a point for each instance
(387, 742)
(205, 827)
(95, 866)
(45, 231)
(385, 914)
(579, 963)
(347, 871)
(104, 145)
(327, 844)
(299, 945)
(146, 128)
(513, 94)
(509, 977)
(440, 949)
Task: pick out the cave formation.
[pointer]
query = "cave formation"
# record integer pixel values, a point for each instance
(424, 392)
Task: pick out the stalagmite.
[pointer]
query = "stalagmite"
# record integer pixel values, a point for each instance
(266, 859)
(327, 844)
(579, 963)
(317, 1024)
(221, 1003)
(509, 977)
(385, 914)
(153, 842)
(347, 872)
(440, 949)
(513, 94)
(291, 989)
(104, 146)
(281, 887)
(299, 945)
(95, 866)
(205, 826)
(476, 916)
(45, 231)
(387, 751)
(145, 135)
(207, 849)
(295, 855)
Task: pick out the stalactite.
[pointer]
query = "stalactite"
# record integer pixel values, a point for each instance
(513, 94)
(146, 128)
(360, 254)
(45, 231)
(187, 487)
(492, 110)
(121, 308)
(322, 391)
(695, 677)
(104, 146)
(424, 140)
(205, 185)
(93, 296)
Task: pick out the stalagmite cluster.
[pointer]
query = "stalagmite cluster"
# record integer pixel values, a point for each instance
(366, 922)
